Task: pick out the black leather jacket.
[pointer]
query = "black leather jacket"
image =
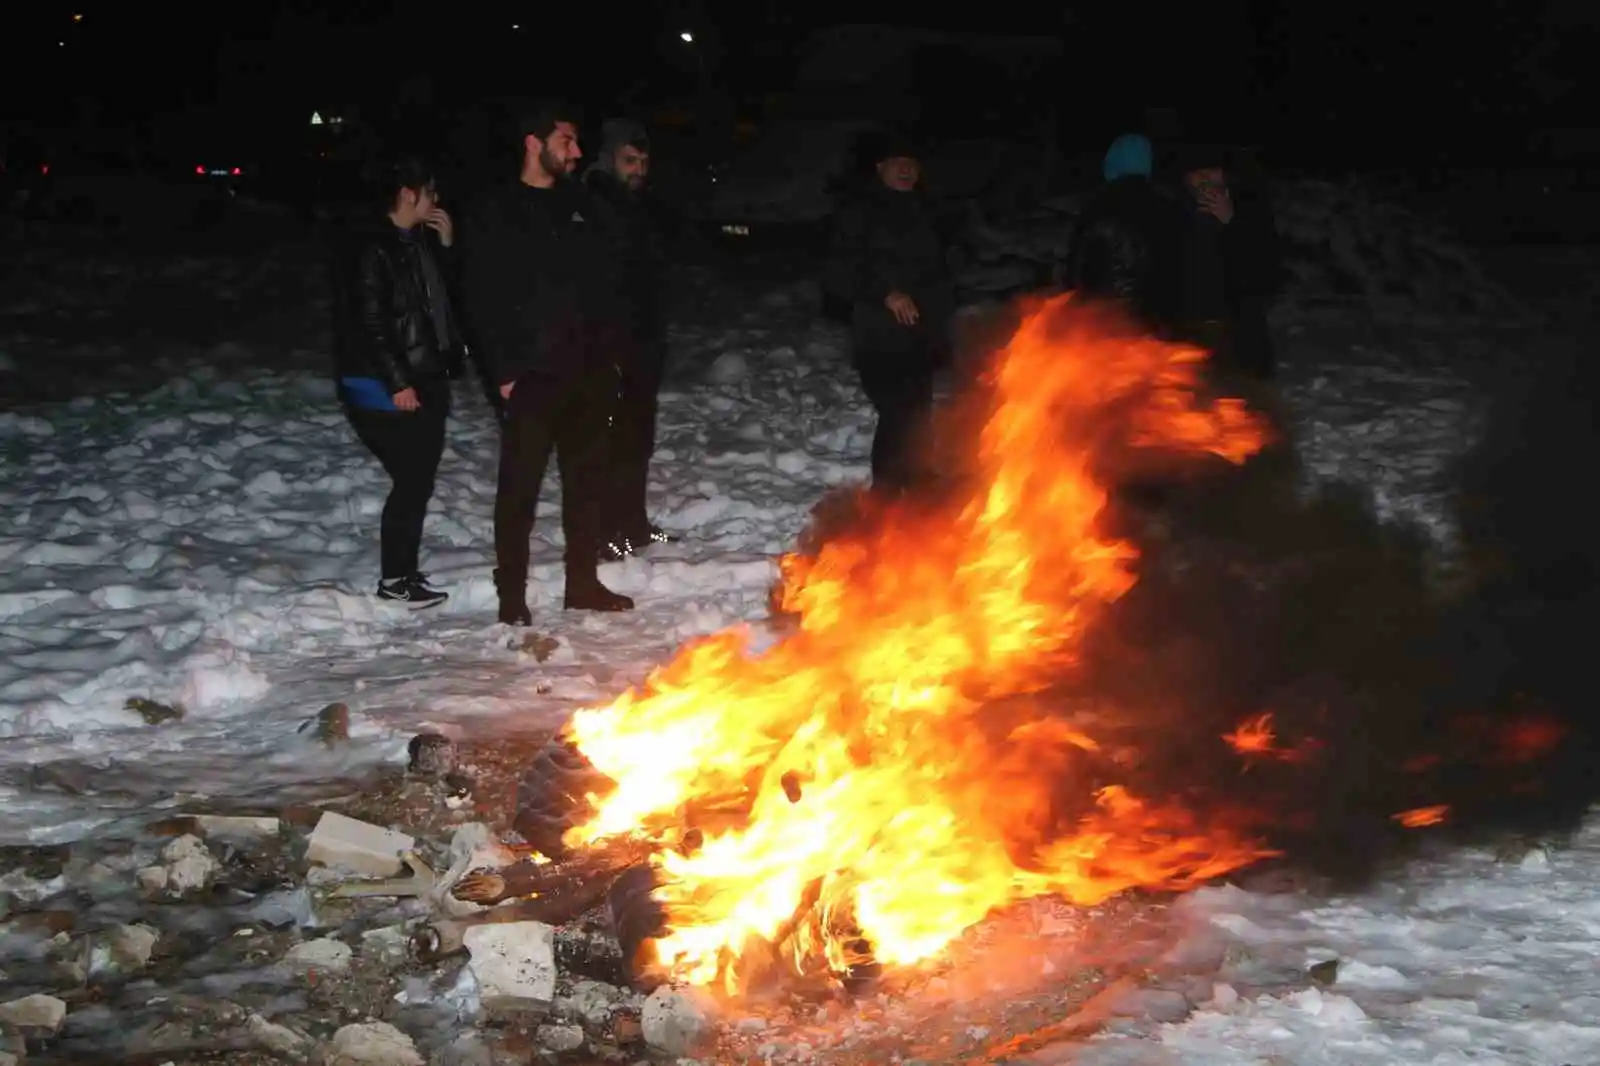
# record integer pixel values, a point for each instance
(1129, 249)
(385, 326)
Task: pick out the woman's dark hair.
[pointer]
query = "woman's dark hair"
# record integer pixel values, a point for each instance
(401, 172)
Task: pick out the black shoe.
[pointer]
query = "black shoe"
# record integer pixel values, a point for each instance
(410, 591)
(620, 546)
(653, 534)
(616, 548)
(596, 597)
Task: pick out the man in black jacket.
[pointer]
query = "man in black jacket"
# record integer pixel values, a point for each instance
(542, 296)
(1231, 265)
(1128, 247)
(618, 179)
(397, 345)
(888, 263)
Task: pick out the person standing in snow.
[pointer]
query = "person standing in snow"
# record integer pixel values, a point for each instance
(396, 348)
(1230, 264)
(1127, 249)
(542, 295)
(888, 264)
(618, 179)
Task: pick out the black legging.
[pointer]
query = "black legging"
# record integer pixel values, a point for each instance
(408, 444)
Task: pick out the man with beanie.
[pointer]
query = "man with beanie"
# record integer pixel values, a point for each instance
(888, 264)
(541, 293)
(1128, 245)
(618, 179)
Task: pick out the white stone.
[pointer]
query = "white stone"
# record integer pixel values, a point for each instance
(559, 1037)
(389, 944)
(224, 827)
(326, 954)
(131, 946)
(190, 865)
(278, 1039)
(37, 1015)
(372, 1044)
(589, 1001)
(153, 879)
(676, 1020)
(354, 847)
(513, 962)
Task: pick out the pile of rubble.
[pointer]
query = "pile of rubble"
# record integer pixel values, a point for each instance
(324, 934)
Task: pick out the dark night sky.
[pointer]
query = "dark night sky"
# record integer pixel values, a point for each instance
(1414, 77)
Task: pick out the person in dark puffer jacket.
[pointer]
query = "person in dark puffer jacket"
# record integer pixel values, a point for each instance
(888, 264)
(396, 348)
(1128, 247)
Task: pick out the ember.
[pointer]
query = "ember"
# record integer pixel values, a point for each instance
(882, 779)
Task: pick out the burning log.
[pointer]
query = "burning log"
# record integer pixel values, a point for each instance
(637, 919)
(546, 879)
(555, 795)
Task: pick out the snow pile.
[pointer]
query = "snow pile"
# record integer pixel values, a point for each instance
(1344, 240)
(1343, 245)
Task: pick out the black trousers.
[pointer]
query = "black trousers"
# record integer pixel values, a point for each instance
(408, 444)
(632, 438)
(567, 415)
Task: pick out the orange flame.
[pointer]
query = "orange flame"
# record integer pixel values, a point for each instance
(1423, 816)
(889, 775)
(1254, 737)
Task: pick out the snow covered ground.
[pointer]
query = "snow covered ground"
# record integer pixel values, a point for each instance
(212, 542)
(1461, 958)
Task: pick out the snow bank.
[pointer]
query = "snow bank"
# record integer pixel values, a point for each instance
(1344, 245)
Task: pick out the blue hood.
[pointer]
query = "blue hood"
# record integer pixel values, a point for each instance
(1129, 154)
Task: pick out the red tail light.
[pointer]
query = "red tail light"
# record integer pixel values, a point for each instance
(199, 170)
(44, 168)
(236, 172)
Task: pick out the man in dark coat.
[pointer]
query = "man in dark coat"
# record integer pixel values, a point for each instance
(888, 263)
(1128, 245)
(618, 179)
(396, 346)
(1231, 268)
(542, 297)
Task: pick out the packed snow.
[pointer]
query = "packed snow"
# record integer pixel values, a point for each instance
(1465, 957)
(211, 542)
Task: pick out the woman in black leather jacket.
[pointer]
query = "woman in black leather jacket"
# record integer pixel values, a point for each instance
(396, 347)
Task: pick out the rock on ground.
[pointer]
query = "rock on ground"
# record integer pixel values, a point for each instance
(35, 1016)
(676, 1020)
(372, 1044)
(514, 963)
(326, 954)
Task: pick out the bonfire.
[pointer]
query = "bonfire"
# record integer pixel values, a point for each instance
(862, 791)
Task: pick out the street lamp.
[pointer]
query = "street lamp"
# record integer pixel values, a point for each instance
(686, 37)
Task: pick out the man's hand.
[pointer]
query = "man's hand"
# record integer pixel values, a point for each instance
(406, 400)
(903, 307)
(438, 220)
(1217, 202)
(505, 390)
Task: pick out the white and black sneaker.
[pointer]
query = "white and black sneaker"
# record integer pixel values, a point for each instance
(412, 591)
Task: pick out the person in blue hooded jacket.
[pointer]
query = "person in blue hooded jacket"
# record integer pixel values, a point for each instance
(1128, 246)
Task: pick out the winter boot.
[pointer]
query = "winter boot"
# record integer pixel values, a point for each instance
(513, 601)
(587, 594)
